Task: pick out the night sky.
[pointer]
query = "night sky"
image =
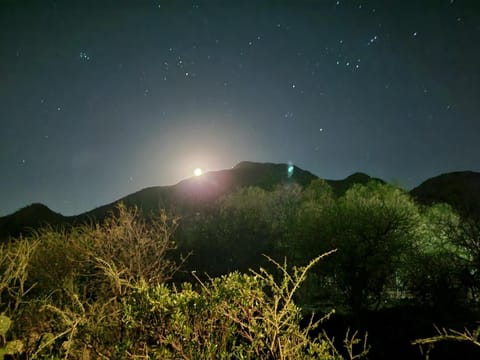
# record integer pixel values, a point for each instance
(99, 99)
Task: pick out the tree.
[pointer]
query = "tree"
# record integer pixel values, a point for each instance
(100, 291)
(373, 227)
(467, 240)
(242, 227)
(436, 263)
(317, 200)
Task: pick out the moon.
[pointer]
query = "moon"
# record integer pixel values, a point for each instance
(197, 172)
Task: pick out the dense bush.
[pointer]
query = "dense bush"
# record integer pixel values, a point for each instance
(236, 316)
(393, 254)
(101, 291)
(111, 290)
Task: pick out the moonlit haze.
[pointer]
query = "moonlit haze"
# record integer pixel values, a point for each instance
(100, 99)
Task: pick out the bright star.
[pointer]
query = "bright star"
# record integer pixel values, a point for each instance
(197, 172)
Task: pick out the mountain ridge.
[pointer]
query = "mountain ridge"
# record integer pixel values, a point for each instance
(460, 189)
(189, 195)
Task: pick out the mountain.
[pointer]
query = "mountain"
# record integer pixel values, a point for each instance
(185, 197)
(341, 186)
(192, 194)
(459, 189)
(29, 218)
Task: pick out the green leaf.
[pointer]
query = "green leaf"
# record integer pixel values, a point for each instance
(5, 323)
(14, 347)
(3, 352)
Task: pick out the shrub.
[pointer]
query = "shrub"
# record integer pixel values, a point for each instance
(236, 316)
(79, 277)
(101, 291)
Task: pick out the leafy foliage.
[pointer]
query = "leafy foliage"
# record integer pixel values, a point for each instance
(112, 290)
(102, 291)
(8, 347)
(236, 316)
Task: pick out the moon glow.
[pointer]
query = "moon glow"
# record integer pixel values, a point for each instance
(197, 172)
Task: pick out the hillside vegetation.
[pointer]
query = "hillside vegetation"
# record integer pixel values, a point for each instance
(327, 270)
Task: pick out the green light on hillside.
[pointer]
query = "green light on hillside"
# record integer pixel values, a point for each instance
(290, 170)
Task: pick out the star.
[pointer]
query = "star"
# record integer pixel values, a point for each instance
(84, 56)
(185, 61)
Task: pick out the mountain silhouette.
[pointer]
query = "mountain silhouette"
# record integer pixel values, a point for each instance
(192, 194)
(29, 218)
(341, 186)
(185, 197)
(461, 190)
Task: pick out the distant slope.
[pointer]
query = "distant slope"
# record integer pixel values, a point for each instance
(191, 194)
(341, 186)
(459, 189)
(187, 196)
(28, 218)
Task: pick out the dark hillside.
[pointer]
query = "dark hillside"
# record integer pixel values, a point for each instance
(341, 186)
(192, 194)
(30, 217)
(186, 197)
(459, 189)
